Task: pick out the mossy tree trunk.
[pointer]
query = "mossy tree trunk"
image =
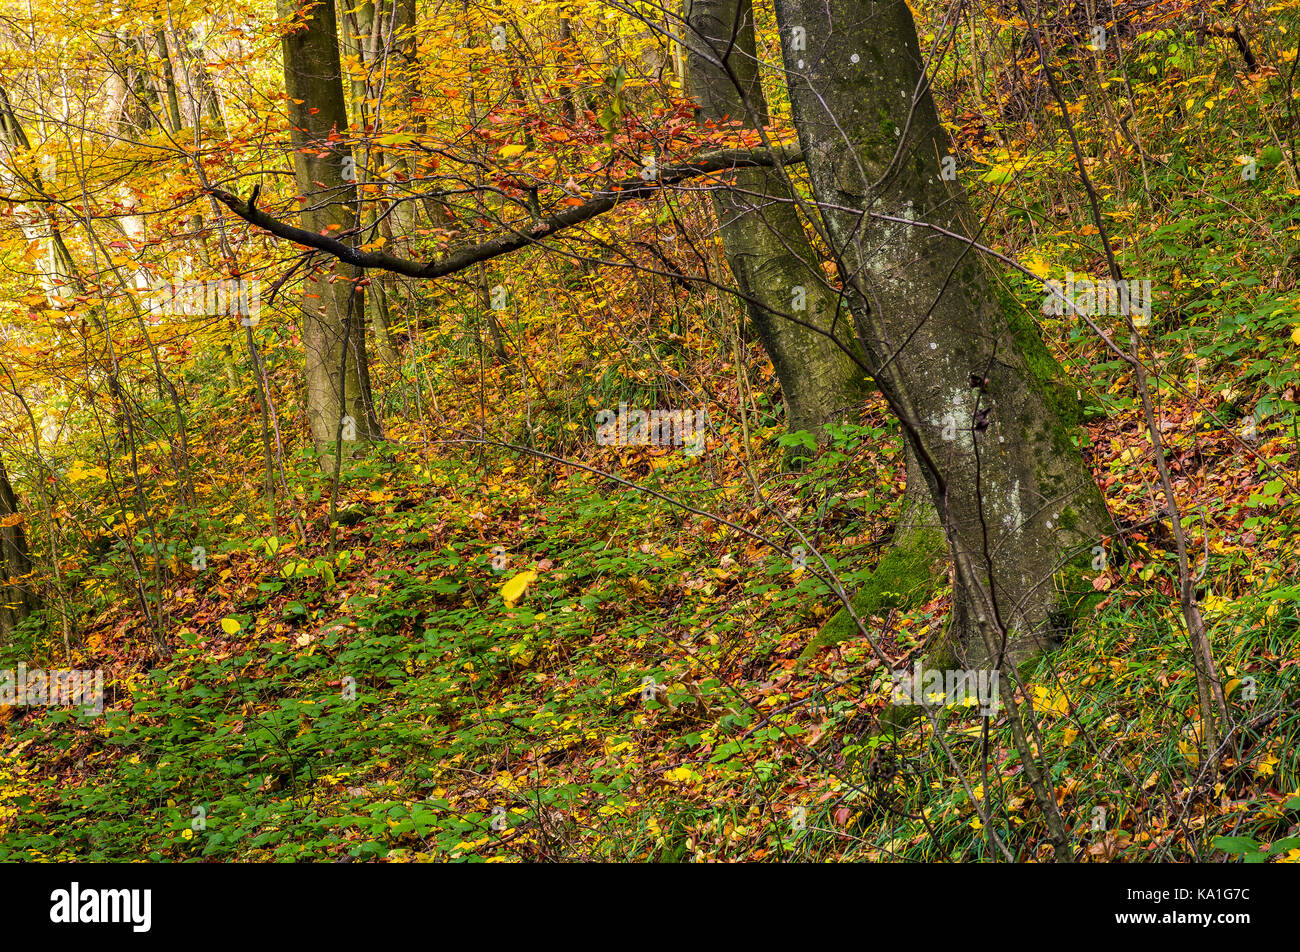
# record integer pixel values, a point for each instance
(967, 375)
(793, 312)
(339, 404)
(796, 314)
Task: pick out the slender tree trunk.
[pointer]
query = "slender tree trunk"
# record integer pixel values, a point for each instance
(964, 370)
(202, 87)
(569, 102)
(339, 403)
(486, 313)
(359, 23)
(139, 97)
(58, 271)
(168, 79)
(18, 596)
(404, 76)
(403, 69)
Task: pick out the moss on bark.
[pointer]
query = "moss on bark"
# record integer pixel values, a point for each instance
(908, 574)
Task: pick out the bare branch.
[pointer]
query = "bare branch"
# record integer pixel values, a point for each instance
(528, 233)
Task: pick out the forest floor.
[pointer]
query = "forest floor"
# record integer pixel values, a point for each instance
(457, 670)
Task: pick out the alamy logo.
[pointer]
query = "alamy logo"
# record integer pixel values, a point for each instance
(103, 905)
(55, 688)
(934, 687)
(684, 428)
(1085, 295)
(232, 297)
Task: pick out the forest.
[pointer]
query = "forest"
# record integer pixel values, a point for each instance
(788, 431)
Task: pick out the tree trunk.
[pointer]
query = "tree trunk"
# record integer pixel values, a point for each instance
(965, 371)
(404, 69)
(18, 597)
(794, 313)
(570, 103)
(359, 25)
(402, 65)
(168, 78)
(339, 404)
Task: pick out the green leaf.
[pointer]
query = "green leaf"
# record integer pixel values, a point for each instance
(1236, 844)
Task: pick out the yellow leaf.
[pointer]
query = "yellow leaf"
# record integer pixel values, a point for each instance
(1054, 701)
(1215, 604)
(230, 625)
(1266, 766)
(514, 589)
(510, 151)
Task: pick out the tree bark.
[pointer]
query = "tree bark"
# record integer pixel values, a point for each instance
(963, 368)
(18, 596)
(168, 78)
(359, 24)
(339, 404)
(794, 313)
